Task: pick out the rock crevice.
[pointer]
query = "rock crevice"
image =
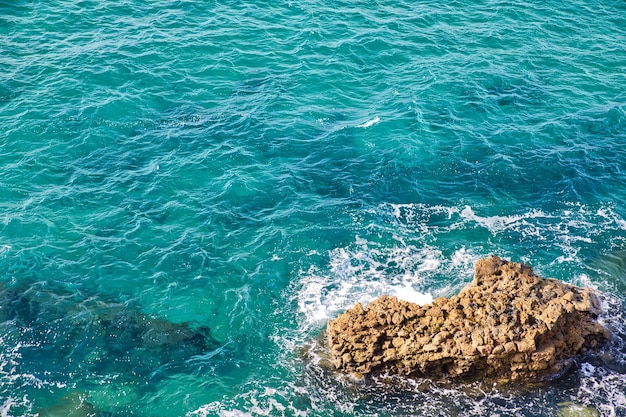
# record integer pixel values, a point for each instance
(507, 324)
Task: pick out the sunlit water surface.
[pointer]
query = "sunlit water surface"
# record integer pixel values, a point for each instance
(189, 190)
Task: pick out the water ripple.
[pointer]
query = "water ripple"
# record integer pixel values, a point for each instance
(250, 167)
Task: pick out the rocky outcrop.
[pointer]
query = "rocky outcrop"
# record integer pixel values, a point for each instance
(508, 324)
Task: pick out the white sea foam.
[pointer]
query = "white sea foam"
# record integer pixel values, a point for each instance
(5, 408)
(265, 402)
(357, 274)
(216, 409)
(569, 230)
(370, 123)
(409, 294)
(603, 387)
(611, 216)
(10, 377)
(365, 270)
(497, 224)
(234, 413)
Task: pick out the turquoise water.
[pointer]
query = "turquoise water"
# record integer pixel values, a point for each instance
(190, 189)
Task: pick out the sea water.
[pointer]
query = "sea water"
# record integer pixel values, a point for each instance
(191, 189)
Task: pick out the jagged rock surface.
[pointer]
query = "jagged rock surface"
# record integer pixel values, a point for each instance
(508, 324)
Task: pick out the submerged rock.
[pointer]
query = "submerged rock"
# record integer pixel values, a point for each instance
(570, 409)
(508, 324)
(60, 333)
(72, 405)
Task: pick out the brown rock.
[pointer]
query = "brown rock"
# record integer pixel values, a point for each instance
(508, 324)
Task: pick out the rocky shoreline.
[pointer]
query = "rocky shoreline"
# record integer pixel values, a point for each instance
(507, 325)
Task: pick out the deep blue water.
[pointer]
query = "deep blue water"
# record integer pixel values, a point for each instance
(189, 190)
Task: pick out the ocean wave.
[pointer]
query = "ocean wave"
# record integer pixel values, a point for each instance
(397, 254)
(258, 168)
(370, 122)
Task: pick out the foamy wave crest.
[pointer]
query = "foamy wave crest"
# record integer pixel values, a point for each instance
(498, 224)
(256, 402)
(413, 252)
(409, 294)
(562, 233)
(366, 270)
